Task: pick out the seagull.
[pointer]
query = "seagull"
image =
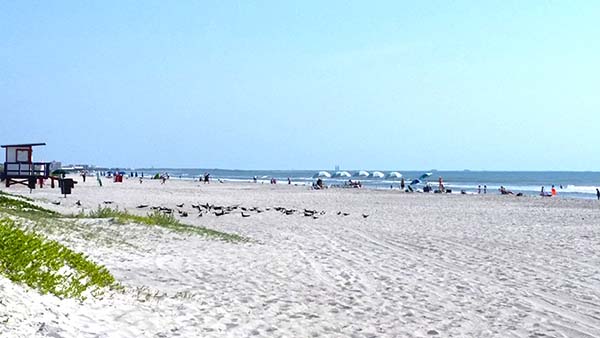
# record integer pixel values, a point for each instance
(143, 206)
(56, 203)
(339, 212)
(365, 215)
(184, 214)
(345, 214)
(180, 205)
(108, 202)
(78, 203)
(245, 215)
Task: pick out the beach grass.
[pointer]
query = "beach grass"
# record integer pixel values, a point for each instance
(17, 207)
(17, 196)
(48, 266)
(157, 218)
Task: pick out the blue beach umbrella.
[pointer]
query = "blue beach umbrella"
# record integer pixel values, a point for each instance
(424, 176)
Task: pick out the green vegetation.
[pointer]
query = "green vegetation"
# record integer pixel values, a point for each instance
(25, 209)
(29, 258)
(47, 265)
(158, 218)
(16, 196)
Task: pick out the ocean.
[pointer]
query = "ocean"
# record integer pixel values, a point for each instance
(568, 184)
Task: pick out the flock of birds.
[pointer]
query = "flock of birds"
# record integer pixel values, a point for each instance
(219, 210)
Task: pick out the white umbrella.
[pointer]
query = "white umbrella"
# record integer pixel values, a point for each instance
(378, 174)
(342, 174)
(322, 174)
(394, 174)
(363, 173)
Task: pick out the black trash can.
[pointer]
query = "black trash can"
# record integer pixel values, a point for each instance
(66, 184)
(31, 183)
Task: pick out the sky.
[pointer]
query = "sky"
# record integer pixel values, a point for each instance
(480, 85)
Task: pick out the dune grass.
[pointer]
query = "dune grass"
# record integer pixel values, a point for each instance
(24, 209)
(29, 258)
(157, 218)
(17, 196)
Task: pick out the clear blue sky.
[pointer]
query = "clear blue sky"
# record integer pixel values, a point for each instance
(508, 85)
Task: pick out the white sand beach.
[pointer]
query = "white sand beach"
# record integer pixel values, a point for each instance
(418, 265)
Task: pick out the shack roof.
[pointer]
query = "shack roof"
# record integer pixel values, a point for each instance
(23, 145)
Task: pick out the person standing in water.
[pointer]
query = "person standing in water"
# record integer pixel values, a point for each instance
(598, 194)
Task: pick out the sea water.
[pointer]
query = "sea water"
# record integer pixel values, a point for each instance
(567, 184)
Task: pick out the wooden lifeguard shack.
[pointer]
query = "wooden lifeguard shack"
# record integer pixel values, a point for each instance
(19, 167)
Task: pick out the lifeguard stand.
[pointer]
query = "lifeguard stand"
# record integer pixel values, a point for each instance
(19, 167)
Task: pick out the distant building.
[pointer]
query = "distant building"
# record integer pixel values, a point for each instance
(55, 165)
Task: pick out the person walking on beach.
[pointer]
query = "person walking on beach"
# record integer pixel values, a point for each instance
(479, 189)
(289, 181)
(485, 189)
(553, 190)
(206, 177)
(402, 184)
(598, 194)
(441, 184)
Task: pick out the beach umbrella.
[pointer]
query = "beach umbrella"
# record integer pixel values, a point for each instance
(322, 174)
(378, 174)
(424, 176)
(363, 173)
(394, 174)
(342, 174)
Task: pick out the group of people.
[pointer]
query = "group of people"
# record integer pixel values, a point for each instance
(548, 194)
(354, 184)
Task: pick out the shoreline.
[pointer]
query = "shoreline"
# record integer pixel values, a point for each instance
(417, 265)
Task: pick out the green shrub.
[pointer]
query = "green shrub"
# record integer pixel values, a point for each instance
(21, 207)
(17, 196)
(160, 219)
(48, 266)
